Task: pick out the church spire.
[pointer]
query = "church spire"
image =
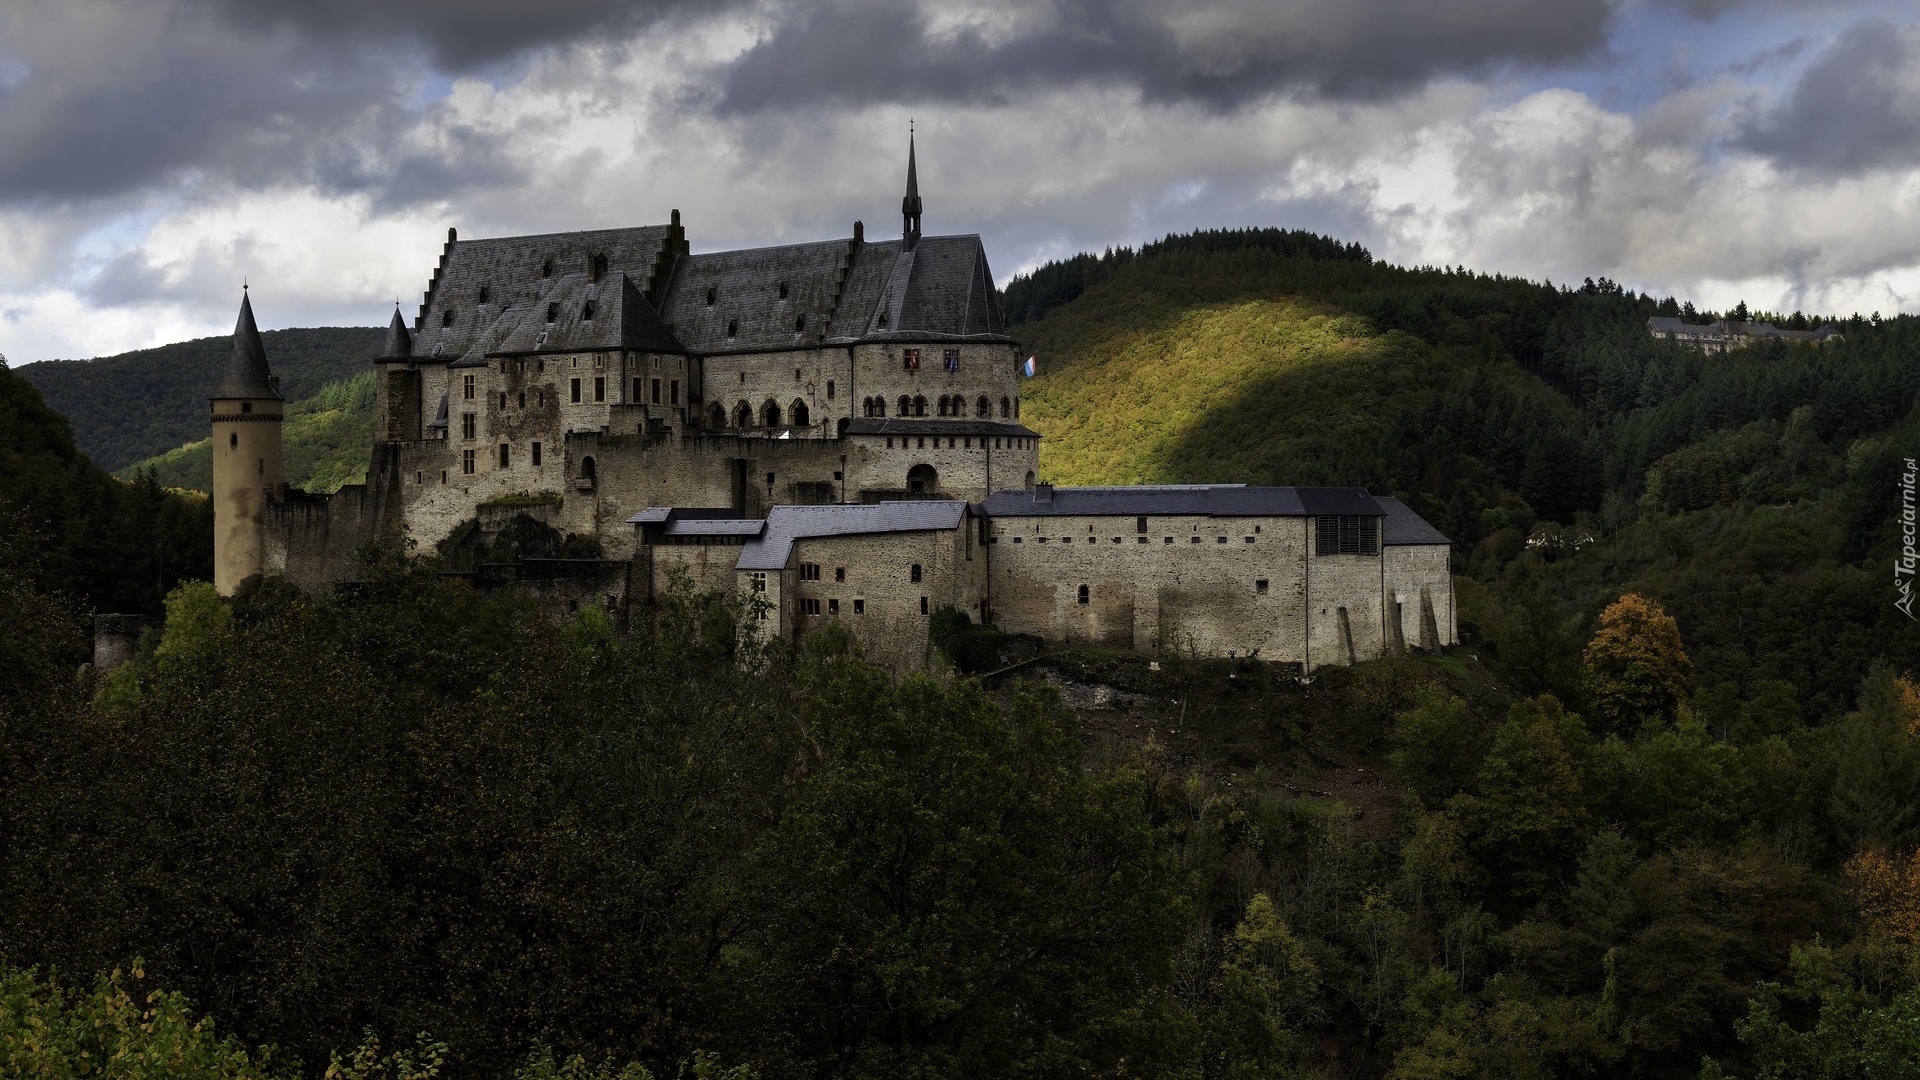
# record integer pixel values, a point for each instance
(246, 374)
(910, 206)
(399, 340)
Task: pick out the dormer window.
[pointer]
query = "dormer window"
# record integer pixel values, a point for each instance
(733, 327)
(712, 295)
(553, 312)
(546, 268)
(446, 318)
(586, 311)
(485, 294)
(783, 290)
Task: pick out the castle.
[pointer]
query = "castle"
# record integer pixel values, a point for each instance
(614, 387)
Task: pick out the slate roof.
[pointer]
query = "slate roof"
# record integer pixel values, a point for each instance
(588, 316)
(246, 374)
(399, 341)
(1182, 500)
(838, 292)
(786, 524)
(510, 268)
(1403, 527)
(746, 296)
(864, 426)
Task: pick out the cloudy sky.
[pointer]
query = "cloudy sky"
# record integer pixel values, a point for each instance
(155, 152)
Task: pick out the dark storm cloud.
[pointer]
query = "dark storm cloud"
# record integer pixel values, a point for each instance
(1219, 52)
(1856, 106)
(459, 35)
(111, 97)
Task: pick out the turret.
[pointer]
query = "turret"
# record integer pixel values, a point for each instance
(247, 410)
(910, 206)
(399, 344)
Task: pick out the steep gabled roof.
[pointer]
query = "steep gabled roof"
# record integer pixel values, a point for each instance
(514, 272)
(745, 286)
(588, 316)
(246, 374)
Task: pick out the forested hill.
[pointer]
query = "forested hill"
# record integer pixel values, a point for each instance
(138, 405)
(90, 541)
(1568, 454)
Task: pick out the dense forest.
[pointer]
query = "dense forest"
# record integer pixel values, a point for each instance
(1658, 817)
(98, 543)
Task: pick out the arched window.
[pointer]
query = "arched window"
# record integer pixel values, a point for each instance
(1029, 479)
(743, 416)
(717, 416)
(587, 471)
(922, 480)
(943, 404)
(798, 410)
(983, 408)
(906, 405)
(770, 415)
(1005, 409)
(879, 406)
(919, 406)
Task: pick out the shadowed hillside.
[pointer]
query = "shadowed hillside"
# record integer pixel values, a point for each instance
(137, 405)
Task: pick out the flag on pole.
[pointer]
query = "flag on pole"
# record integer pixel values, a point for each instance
(1030, 368)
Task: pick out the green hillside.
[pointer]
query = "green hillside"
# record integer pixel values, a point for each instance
(137, 405)
(327, 438)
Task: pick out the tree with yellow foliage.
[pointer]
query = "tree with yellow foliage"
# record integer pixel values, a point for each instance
(1636, 665)
(1888, 892)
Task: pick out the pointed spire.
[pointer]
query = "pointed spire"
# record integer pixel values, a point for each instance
(246, 374)
(399, 340)
(910, 206)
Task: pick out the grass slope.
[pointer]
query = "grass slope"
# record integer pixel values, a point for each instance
(1143, 388)
(136, 405)
(326, 440)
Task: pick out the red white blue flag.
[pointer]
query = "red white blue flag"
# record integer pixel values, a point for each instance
(1030, 368)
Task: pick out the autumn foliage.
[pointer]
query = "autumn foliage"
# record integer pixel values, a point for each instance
(1636, 665)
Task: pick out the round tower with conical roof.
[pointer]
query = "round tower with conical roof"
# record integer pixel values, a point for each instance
(247, 412)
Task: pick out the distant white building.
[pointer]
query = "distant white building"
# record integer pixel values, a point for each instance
(1722, 335)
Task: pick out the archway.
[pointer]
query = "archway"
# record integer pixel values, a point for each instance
(717, 416)
(770, 415)
(922, 480)
(798, 412)
(743, 416)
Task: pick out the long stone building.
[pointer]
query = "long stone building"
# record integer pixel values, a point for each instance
(834, 426)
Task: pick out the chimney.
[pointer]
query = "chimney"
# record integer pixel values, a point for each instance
(1043, 494)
